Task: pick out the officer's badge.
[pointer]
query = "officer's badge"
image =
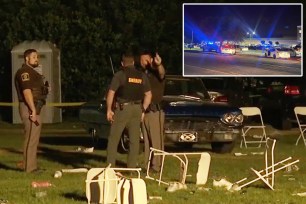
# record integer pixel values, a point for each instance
(25, 77)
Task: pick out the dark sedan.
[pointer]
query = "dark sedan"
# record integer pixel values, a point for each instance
(191, 116)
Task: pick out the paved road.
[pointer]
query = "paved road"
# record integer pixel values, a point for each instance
(214, 64)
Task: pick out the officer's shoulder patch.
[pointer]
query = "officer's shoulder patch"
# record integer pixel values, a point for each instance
(25, 76)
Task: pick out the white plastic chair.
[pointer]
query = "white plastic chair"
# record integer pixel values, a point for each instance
(267, 174)
(103, 185)
(253, 112)
(203, 165)
(299, 112)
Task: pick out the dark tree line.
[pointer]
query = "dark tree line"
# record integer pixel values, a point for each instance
(88, 33)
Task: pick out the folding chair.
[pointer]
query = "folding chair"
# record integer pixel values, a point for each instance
(267, 174)
(299, 113)
(253, 112)
(104, 185)
(203, 165)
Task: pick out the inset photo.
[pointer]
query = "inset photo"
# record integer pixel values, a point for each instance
(248, 39)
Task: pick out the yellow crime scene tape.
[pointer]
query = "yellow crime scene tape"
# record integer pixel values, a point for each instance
(64, 104)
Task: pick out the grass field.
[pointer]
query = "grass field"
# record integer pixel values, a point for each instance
(56, 152)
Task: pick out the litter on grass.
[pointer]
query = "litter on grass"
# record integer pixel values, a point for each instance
(41, 184)
(223, 183)
(3, 201)
(257, 153)
(291, 168)
(300, 194)
(155, 198)
(85, 150)
(238, 154)
(76, 170)
(203, 189)
(58, 174)
(174, 186)
(40, 194)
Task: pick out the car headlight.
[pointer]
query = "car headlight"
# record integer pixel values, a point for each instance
(235, 119)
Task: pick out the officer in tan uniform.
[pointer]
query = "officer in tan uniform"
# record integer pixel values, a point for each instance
(32, 93)
(133, 96)
(153, 123)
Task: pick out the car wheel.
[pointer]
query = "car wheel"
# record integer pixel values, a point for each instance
(123, 146)
(96, 141)
(94, 136)
(222, 147)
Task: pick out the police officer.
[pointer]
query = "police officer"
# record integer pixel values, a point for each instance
(32, 94)
(133, 95)
(153, 123)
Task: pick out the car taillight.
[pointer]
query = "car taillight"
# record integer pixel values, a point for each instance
(292, 90)
(269, 90)
(221, 99)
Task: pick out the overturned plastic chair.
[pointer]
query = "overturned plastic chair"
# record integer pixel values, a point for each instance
(259, 139)
(203, 165)
(267, 174)
(299, 113)
(105, 185)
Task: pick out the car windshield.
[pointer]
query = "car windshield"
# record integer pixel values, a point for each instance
(191, 88)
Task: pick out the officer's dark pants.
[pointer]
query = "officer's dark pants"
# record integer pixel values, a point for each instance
(153, 135)
(130, 118)
(31, 138)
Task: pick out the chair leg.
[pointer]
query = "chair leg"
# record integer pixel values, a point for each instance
(262, 177)
(297, 141)
(243, 141)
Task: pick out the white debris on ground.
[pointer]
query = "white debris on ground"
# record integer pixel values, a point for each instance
(291, 168)
(155, 198)
(58, 174)
(257, 153)
(174, 186)
(77, 170)
(238, 154)
(203, 189)
(300, 194)
(85, 150)
(88, 150)
(223, 183)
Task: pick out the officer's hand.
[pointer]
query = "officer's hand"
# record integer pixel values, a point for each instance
(142, 117)
(109, 116)
(33, 118)
(157, 60)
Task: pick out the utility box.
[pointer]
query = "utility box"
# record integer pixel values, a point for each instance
(49, 59)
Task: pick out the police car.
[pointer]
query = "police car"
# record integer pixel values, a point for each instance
(228, 49)
(277, 53)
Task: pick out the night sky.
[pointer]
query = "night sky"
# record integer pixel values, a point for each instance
(265, 20)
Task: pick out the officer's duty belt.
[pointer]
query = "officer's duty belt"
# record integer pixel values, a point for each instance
(130, 103)
(153, 107)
